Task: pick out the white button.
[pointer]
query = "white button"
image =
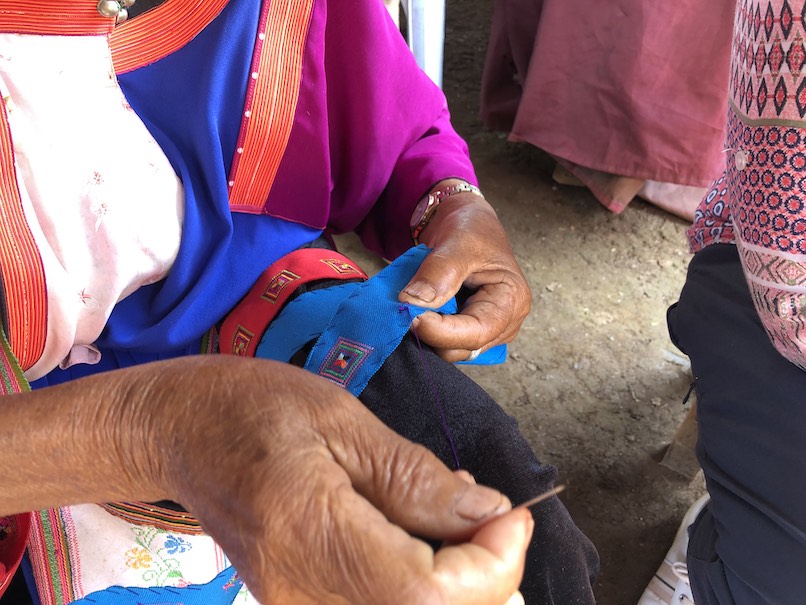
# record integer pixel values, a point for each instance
(741, 159)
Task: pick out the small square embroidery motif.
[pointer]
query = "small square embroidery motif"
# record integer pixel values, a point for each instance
(277, 283)
(241, 340)
(340, 266)
(343, 361)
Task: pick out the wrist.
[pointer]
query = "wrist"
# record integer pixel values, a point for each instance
(426, 209)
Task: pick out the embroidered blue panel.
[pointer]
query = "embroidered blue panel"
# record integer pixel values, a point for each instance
(221, 590)
(357, 325)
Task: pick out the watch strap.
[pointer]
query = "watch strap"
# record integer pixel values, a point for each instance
(436, 196)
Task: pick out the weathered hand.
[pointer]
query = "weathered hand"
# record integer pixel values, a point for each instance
(311, 496)
(316, 501)
(470, 248)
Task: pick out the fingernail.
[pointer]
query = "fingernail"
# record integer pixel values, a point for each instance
(478, 502)
(465, 476)
(422, 291)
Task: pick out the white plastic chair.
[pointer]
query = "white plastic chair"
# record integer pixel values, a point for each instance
(426, 33)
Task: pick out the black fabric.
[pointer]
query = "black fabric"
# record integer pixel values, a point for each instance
(561, 562)
(17, 591)
(749, 545)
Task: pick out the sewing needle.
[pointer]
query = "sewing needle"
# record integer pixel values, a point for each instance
(541, 497)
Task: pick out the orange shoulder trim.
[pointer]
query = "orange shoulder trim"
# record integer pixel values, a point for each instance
(161, 31)
(271, 102)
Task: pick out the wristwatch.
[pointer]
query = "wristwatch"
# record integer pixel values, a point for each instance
(427, 206)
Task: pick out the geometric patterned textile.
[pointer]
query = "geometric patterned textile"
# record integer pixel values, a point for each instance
(344, 360)
(760, 202)
(712, 221)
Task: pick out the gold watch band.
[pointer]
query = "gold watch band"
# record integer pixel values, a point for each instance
(427, 206)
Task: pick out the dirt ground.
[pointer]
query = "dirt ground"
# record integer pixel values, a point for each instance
(593, 379)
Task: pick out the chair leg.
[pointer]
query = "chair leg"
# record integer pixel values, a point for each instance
(426, 31)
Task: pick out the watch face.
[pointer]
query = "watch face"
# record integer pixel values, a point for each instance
(419, 211)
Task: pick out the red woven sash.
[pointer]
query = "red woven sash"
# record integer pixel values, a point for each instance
(244, 326)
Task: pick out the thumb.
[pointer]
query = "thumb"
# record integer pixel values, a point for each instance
(409, 484)
(437, 280)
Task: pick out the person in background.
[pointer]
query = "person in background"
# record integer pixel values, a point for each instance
(168, 187)
(629, 97)
(741, 319)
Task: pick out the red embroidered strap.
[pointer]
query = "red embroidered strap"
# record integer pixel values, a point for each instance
(15, 528)
(20, 264)
(246, 323)
(271, 102)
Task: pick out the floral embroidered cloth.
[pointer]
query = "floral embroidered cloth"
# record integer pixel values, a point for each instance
(84, 554)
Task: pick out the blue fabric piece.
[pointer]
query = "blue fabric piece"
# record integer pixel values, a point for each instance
(221, 590)
(368, 325)
(301, 321)
(196, 121)
(492, 356)
(306, 317)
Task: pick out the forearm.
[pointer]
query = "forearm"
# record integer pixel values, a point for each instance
(66, 444)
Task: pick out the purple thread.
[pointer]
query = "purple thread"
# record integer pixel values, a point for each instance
(432, 384)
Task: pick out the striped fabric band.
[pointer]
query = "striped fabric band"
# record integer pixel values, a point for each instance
(161, 31)
(12, 379)
(51, 559)
(20, 264)
(271, 102)
(63, 18)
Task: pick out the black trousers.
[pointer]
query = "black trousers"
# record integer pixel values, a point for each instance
(748, 546)
(561, 562)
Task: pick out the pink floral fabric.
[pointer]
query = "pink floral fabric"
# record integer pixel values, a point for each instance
(760, 202)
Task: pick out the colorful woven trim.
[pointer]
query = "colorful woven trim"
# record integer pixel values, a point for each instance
(271, 102)
(62, 18)
(52, 556)
(12, 380)
(161, 31)
(246, 323)
(20, 264)
(153, 515)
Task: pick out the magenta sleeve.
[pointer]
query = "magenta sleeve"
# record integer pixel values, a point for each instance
(390, 134)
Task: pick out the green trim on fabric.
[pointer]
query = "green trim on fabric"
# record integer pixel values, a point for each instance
(11, 376)
(54, 577)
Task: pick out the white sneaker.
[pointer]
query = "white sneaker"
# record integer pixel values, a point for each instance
(670, 584)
